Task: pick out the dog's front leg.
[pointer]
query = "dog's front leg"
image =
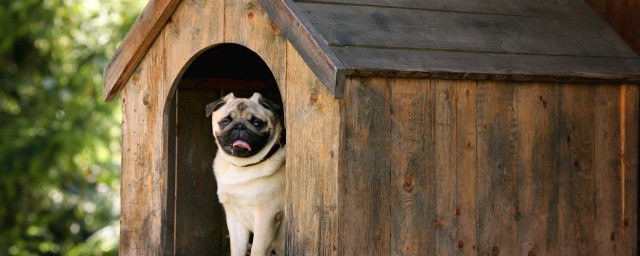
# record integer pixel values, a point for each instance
(264, 233)
(238, 234)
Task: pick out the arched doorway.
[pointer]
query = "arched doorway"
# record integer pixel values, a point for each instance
(198, 226)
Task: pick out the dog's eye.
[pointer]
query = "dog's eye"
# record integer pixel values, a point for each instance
(258, 123)
(224, 122)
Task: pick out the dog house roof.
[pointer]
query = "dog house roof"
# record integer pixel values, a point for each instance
(521, 40)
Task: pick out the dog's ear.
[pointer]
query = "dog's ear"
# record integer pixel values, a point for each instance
(275, 108)
(213, 106)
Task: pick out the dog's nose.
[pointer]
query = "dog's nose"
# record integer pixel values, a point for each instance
(239, 127)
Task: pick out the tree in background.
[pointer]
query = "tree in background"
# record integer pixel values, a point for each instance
(59, 141)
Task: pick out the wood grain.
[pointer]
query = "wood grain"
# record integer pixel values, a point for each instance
(629, 99)
(312, 116)
(446, 166)
(497, 169)
(466, 163)
(537, 177)
(200, 227)
(308, 42)
(365, 61)
(364, 184)
(607, 166)
(383, 27)
(576, 192)
(136, 44)
(246, 23)
(143, 169)
(524, 8)
(412, 197)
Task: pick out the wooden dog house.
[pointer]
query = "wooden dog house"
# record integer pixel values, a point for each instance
(414, 127)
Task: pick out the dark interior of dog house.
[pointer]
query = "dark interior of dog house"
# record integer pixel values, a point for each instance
(198, 217)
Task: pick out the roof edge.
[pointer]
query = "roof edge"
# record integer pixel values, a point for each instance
(309, 43)
(135, 45)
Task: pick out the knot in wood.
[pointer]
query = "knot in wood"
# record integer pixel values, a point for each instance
(313, 98)
(495, 251)
(460, 244)
(408, 182)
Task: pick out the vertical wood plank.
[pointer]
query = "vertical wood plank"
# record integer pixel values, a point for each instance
(247, 24)
(607, 167)
(412, 152)
(200, 227)
(143, 168)
(313, 153)
(537, 177)
(629, 144)
(446, 166)
(465, 157)
(195, 25)
(364, 182)
(576, 202)
(497, 169)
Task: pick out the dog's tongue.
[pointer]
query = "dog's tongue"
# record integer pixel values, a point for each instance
(242, 144)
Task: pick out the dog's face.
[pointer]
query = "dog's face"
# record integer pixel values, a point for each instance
(243, 127)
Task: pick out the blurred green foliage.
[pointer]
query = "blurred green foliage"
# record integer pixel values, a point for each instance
(59, 141)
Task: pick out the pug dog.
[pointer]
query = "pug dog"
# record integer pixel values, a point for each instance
(250, 171)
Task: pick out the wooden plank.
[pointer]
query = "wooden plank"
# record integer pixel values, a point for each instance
(576, 194)
(630, 111)
(412, 197)
(497, 190)
(537, 173)
(364, 61)
(187, 34)
(136, 44)
(347, 25)
(544, 8)
(364, 184)
(446, 166)
(308, 42)
(200, 227)
(143, 168)
(247, 24)
(466, 161)
(312, 188)
(607, 166)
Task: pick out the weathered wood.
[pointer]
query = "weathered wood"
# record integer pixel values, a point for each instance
(200, 227)
(446, 167)
(576, 192)
(382, 27)
(537, 178)
(136, 44)
(623, 18)
(543, 8)
(607, 170)
(364, 61)
(630, 125)
(308, 42)
(412, 198)
(247, 24)
(312, 116)
(187, 34)
(364, 182)
(497, 169)
(466, 161)
(144, 168)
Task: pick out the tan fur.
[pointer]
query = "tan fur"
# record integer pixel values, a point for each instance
(253, 196)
